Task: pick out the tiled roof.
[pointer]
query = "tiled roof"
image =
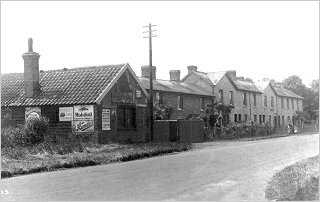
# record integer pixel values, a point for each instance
(281, 91)
(72, 86)
(173, 86)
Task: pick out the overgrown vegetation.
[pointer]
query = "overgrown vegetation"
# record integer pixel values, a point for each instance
(298, 182)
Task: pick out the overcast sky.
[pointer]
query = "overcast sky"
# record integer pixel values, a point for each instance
(257, 39)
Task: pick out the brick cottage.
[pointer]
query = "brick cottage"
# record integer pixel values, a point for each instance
(101, 103)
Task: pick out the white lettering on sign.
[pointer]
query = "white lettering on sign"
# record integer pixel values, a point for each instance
(105, 119)
(83, 112)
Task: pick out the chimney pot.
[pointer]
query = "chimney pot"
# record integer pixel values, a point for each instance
(174, 75)
(232, 74)
(145, 72)
(192, 68)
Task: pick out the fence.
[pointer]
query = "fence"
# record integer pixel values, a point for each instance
(185, 131)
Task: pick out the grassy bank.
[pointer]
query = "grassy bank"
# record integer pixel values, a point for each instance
(297, 182)
(42, 158)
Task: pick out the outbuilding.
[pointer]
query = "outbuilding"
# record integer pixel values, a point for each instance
(101, 103)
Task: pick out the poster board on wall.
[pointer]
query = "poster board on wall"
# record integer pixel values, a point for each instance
(105, 119)
(65, 113)
(83, 112)
(32, 112)
(83, 126)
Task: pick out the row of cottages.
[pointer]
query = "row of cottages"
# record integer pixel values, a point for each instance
(261, 102)
(102, 103)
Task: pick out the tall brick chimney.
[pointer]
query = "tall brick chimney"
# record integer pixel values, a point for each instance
(192, 68)
(145, 72)
(31, 71)
(174, 75)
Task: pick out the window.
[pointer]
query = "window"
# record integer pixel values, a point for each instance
(255, 118)
(235, 118)
(244, 99)
(282, 120)
(231, 98)
(226, 119)
(272, 102)
(126, 117)
(254, 100)
(180, 103)
(260, 119)
(220, 96)
(287, 103)
(270, 119)
(239, 117)
(282, 103)
(246, 117)
(202, 106)
(288, 119)
(292, 104)
(263, 118)
(265, 101)
(297, 105)
(158, 98)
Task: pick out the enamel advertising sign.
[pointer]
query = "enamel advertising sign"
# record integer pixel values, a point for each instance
(83, 126)
(83, 112)
(32, 112)
(105, 119)
(65, 113)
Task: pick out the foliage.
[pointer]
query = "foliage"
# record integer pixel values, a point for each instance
(163, 111)
(298, 182)
(36, 129)
(244, 129)
(310, 95)
(6, 120)
(13, 136)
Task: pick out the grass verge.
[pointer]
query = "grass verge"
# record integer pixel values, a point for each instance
(40, 159)
(297, 182)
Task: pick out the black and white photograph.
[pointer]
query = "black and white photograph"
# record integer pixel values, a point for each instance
(159, 100)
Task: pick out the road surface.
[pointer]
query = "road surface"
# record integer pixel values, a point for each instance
(234, 171)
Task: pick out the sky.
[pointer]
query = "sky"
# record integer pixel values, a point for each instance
(258, 39)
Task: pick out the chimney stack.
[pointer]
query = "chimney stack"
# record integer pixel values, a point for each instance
(192, 68)
(232, 74)
(174, 75)
(31, 71)
(145, 72)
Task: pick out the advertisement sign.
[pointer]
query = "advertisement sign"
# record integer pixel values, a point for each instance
(65, 113)
(83, 126)
(105, 119)
(32, 112)
(83, 112)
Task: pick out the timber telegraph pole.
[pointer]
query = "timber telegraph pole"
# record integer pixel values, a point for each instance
(151, 74)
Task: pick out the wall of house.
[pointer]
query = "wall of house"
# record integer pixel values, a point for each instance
(269, 111)
(191, 103)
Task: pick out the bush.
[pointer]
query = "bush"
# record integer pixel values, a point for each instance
(245, 129)
(13, 136)
(36, 129)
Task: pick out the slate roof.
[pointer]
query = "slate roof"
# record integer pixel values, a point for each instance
(245, 85)
(72, 86)
(173, 86)
(281, 91)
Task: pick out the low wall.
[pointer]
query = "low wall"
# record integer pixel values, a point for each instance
(184, 131)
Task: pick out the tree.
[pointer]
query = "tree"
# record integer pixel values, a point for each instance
(294, 84)
(162, 111)
(310, 95)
